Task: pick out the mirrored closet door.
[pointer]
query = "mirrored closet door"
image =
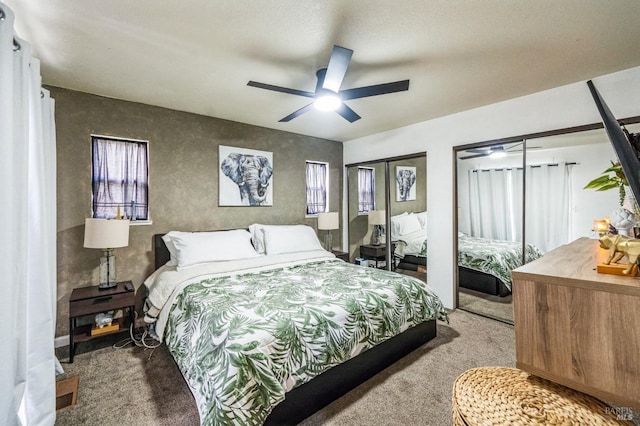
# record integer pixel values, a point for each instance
(490, 226)
(551, 198)
(387, 214)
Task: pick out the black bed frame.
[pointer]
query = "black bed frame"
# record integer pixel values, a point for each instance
(467, 278)
(310, 397)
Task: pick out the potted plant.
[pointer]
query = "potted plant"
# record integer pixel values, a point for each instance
(612, 178)
(607, 181)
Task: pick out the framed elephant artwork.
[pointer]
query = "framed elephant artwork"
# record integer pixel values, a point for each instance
(246, 177)
(405, 183)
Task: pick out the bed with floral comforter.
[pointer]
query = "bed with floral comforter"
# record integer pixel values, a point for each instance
(243, 338)
(494, 257)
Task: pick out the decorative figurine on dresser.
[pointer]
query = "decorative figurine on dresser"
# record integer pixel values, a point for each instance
(618, 247)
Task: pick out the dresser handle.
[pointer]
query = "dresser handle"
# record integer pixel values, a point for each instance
(102, 300)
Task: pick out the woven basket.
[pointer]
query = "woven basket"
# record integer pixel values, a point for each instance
(508, 396)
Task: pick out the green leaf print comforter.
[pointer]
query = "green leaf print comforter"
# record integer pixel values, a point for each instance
(495, 257)
(243, 340)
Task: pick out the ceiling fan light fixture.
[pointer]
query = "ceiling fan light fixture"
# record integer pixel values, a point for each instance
(498, 152)
(328, 102)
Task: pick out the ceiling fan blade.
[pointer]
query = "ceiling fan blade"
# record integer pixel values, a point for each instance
(281, 89)
(337, 68)
(486, 150)
(296, 113)
(474, 156)
(377, 89)
(347, 113)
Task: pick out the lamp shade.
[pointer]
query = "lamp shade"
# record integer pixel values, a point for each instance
(377, 217)
(328, 220)
(106, 233)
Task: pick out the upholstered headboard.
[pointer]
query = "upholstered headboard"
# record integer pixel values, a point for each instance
(160, 251)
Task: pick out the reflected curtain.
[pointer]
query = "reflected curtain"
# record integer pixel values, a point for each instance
(28, 228)
(366, 189)
(548, 221)
(495, 203)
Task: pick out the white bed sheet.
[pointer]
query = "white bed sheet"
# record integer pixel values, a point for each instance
(411, 243)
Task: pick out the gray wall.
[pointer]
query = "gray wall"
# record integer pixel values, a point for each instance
(183, 176)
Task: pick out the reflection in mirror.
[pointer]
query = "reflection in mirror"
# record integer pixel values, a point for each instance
(408, 210)
(366, 192)
(378, 193)
(557, 209)
(490, 226)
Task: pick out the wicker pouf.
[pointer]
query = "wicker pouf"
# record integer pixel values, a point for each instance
(508, 396)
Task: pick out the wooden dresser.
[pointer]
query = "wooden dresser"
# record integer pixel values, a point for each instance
(577, 327)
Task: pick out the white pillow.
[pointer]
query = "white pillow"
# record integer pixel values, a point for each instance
(408, 224)
(257, 234)
(290, 239)
(422, 218)
(257, 237)
(395, 223)
(199, 247)
(173, 261)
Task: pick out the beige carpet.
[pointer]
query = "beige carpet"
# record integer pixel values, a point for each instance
(126, 386)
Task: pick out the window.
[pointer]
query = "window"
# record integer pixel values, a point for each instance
(120, 178)
(366, 189)
(317, 187)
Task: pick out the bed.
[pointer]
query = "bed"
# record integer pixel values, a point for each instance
(271, 337)
(484, 265)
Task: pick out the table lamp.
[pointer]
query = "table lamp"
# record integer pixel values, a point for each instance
(328, 222)
(378, 219)
(106, 234)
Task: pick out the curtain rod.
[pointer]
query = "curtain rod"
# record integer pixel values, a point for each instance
(529, 165)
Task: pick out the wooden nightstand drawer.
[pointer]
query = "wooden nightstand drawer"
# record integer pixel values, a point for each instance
(101, 304)
(373, 252)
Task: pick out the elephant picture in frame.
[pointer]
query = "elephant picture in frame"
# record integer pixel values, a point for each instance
(405, 183)
(245, 177)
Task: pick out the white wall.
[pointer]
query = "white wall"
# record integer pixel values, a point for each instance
(566, 106)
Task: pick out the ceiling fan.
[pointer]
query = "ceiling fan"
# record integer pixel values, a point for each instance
(495, 151)
(328, 96)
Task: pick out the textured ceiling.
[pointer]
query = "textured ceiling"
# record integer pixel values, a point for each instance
(198, 56)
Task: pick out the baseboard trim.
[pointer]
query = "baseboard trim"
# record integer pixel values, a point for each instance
(61, 341)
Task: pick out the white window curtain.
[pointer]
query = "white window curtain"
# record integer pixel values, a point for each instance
(366, 189)
(28, 229)
(119, 178)
(495, 203)
(549, 201)
(316, 187)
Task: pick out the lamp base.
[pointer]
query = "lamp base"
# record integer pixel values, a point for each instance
(107, 270)
(104, 286)
(328, 241)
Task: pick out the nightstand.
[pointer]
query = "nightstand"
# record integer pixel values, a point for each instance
(341, 255)
(85, 301)
(377, 254)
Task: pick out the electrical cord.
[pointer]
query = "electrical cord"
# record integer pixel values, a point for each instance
(142, 340)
